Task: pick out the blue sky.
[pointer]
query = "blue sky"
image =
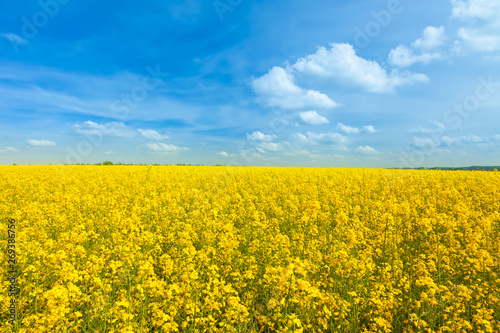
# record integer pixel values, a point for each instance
(394, 83)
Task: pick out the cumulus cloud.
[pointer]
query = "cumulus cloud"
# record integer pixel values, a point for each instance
(432, 37)
(345, 67)
(479, 40)
(347, 129)
(404, 56)
(369, 129)
(151, 134)
(223, 154)
(277, 88)
(40, 143)
(366, 150)
(117, 129)
(160, 147)
(9, 150)
(355, 130)
(445, 141)
(321, 138)
(269, 146)
(471, 139)
(482, 18)
(472, 9)
(313, 118)
(259, 136)
(423, 142)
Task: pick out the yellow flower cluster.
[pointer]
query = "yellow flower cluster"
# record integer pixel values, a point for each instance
(247, 249)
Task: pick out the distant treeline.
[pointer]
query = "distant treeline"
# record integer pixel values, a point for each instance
(471, 168)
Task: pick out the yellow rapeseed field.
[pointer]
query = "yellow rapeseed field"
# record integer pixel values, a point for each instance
(251, 249)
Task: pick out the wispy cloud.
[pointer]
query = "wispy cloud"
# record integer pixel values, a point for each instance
(9, 150)
(269, 146)
(355, 130)
(116, 129)
(321, 138)
(347, 129)
(159, 147)
(313, 118)
(152, 134)
(40, 143)
(367, 150)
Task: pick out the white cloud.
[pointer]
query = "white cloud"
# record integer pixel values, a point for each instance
(369, 129)
(479, 40)
(151, 134)
(419, 130)
(424, 130)
(109, 152)
(402, 56)
(259, 136)
(161, 147)
(249, 156)
(277, 88)
(472, 9)
(117, 129)
(9, 150)
(321, 138)
(269, 146)
(14, 38)
(355, 130)
(424, 142)
(438, 124)
(341, 64)
(347, 129)
(40, 143)
(483, 25)
(471, 139)
(313, 118)
(432, 37)
(366, 150)
(496, 137)
(223, 154)
(445, 140)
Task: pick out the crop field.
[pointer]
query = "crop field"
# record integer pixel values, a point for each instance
(250, 249)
